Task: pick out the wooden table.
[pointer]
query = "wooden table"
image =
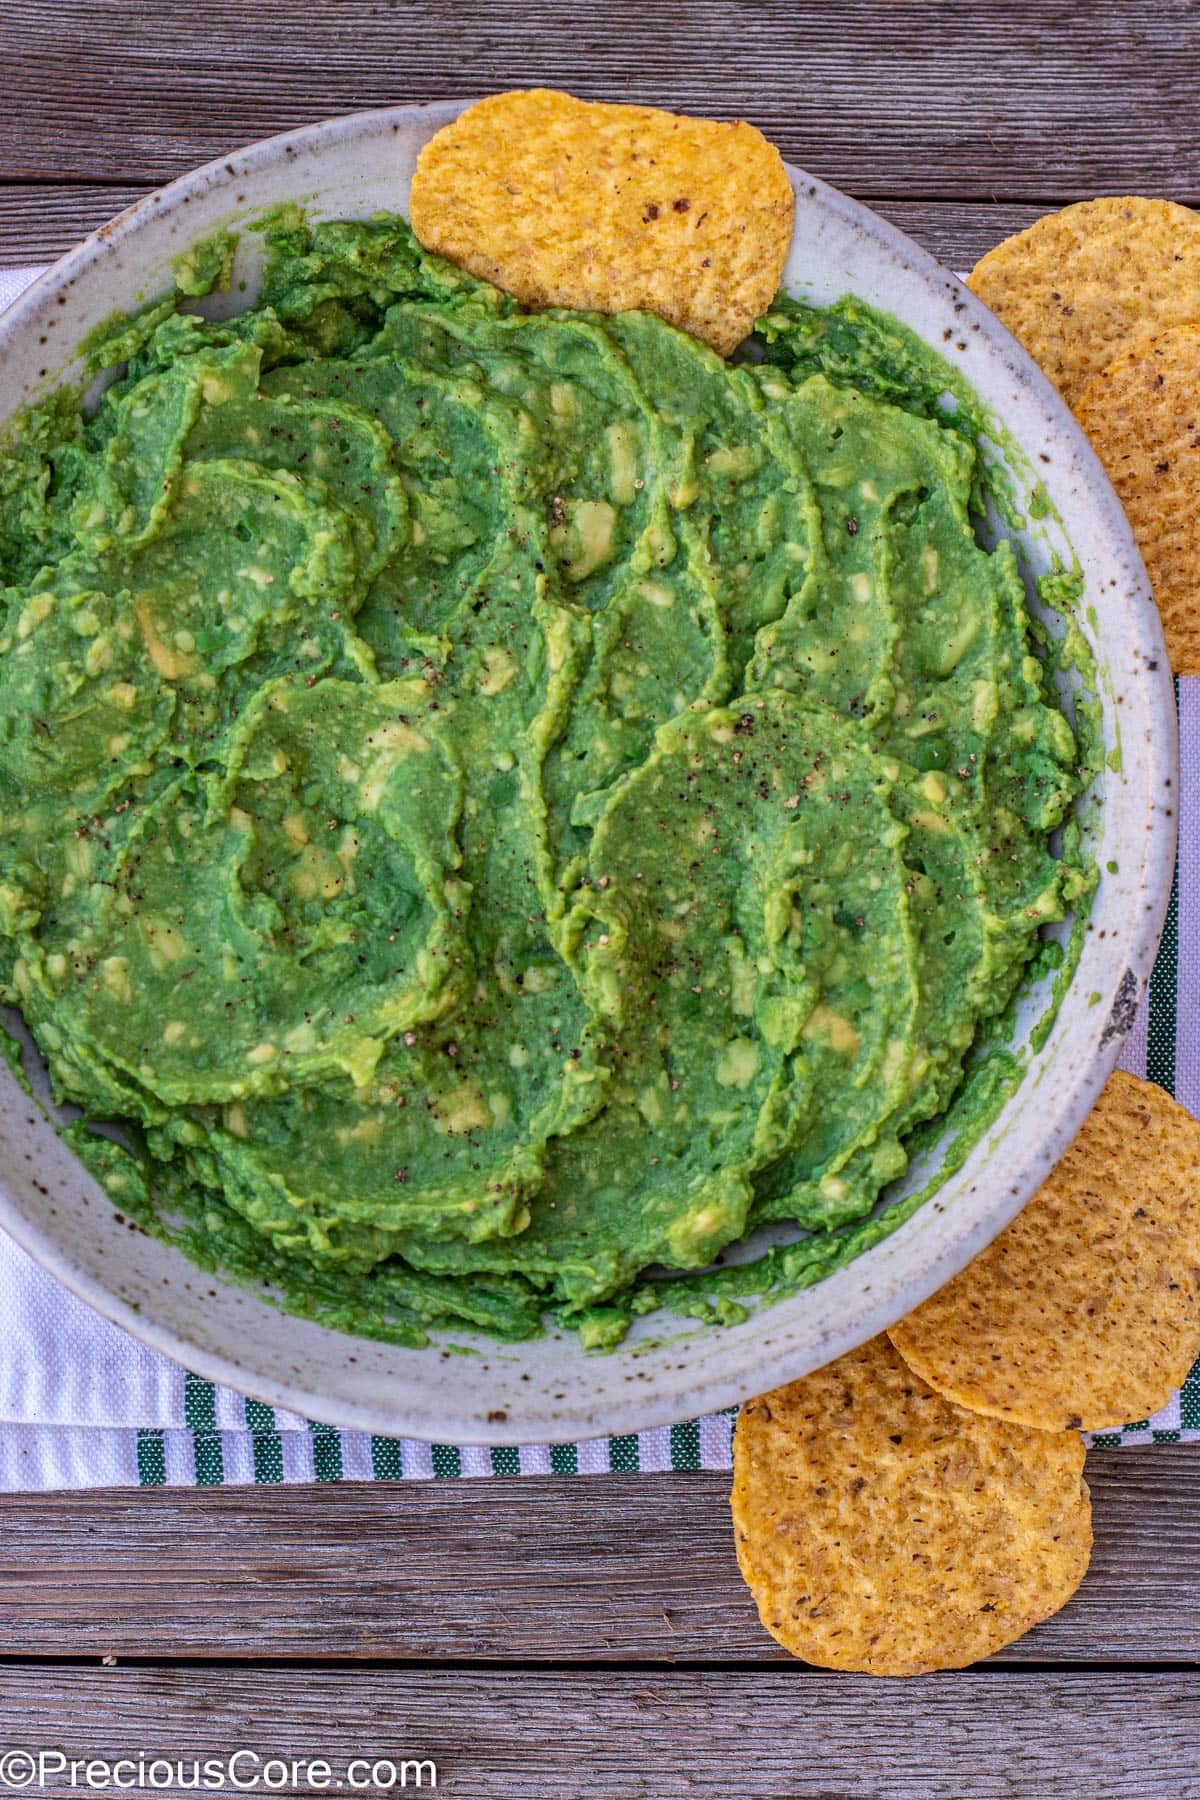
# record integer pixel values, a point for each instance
(580, 1637)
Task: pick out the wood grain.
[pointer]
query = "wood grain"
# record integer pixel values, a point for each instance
(39, 221)
(645, 1736)
(616, 1568)
(887, 98)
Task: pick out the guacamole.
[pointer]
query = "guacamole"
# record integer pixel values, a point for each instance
(496, 807)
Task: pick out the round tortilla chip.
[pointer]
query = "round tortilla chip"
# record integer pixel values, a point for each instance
(1080, 285)
(1142, 415)
(604, 208)
(883, 1530)
(1086, 1310)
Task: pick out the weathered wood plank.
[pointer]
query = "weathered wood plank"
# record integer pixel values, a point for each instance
(893, 100)
(616, 1568)
(39, 221)
(661, 1736)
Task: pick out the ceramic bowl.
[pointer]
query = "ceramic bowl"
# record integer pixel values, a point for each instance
(549, 1390)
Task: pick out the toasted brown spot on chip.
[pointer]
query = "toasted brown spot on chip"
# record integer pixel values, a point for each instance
(1081, 285)
(572, 203)
(1086, 1310)
(884, 1530)
(1142, 415)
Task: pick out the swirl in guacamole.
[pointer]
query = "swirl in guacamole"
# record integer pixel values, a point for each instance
(496, 807)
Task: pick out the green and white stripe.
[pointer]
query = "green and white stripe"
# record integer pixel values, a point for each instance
(264, 1455)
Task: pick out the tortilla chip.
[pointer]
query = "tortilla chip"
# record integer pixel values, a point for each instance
(603, 208)
(1086, 1310)
(883, 1530)
(1142, 415)
(1080, 285)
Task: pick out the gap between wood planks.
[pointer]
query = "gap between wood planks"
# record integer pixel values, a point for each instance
(449, 1665)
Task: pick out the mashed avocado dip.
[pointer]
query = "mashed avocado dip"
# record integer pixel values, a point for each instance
(501, 806)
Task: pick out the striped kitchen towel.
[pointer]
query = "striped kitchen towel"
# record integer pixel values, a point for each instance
(84, 1405)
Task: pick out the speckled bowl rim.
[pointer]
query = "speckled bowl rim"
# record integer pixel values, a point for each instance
(714, 1367)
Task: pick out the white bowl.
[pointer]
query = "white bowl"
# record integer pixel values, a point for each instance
(549, 1390)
